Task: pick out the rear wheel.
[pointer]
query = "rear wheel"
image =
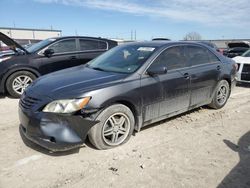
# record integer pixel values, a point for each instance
(221, 95)
(18, 82)
(115, 127)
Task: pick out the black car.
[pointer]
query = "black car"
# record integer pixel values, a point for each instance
(19, 69)
(236, 49)
(233, 52)
(125, 89)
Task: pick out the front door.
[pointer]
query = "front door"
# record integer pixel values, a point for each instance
(65, 56)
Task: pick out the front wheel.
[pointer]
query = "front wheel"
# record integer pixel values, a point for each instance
(221, 95)
(18, 82)
(115, 127)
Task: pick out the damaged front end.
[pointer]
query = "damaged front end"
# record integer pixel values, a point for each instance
(55, 132)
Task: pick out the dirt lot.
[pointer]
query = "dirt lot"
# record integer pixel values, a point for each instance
(196, 149)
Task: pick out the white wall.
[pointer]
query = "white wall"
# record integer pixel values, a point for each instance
(30, 34)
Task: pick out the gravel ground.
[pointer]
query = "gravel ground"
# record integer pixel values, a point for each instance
(202, 148)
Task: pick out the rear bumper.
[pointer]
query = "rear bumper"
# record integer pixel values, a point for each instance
(54, 132)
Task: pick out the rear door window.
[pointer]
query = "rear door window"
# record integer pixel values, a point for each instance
(86, 45)
(197, 55)
(64, 46)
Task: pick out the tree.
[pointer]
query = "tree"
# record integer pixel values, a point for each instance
(192, 36)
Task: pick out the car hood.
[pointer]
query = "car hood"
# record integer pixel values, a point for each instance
(11, 43)
(240, 59)
(73, 82)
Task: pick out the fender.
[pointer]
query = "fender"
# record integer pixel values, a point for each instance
(16, 69)
(131, 104)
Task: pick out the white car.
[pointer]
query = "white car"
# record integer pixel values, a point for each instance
(243, 67)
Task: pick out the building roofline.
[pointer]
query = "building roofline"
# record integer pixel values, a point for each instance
(29, 29)
(223, 40)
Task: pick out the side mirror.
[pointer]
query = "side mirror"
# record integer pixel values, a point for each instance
(156, 70)
(48, 52)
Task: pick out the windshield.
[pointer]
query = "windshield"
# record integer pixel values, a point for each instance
(122, 59)
(246, 54)
(39, 45)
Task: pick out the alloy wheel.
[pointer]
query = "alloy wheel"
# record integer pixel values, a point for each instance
(222, 95)
(20, 83)
(116, 129)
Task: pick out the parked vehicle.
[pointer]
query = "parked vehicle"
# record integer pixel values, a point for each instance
(233, 52)
(155, 39)
(236, 49)
(126, 88)
(19, 69)
(243, 67)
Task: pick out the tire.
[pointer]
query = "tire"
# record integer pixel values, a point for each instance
(115, 127)
(221, 95)
(18, 81)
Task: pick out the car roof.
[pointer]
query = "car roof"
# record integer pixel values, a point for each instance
(83, 37)
(162, 43)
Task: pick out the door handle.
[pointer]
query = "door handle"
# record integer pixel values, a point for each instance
(218, 67)
(72, 57)
(186, 75)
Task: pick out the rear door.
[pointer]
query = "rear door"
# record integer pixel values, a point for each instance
(65, 56)
(204, 73)
(167, 93)
(90, 49)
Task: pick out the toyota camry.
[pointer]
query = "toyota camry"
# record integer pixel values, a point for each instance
(121, 91)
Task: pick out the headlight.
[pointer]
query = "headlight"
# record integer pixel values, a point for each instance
(66, 106)
(4, 59)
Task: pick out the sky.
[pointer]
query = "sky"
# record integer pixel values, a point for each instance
(173, 19)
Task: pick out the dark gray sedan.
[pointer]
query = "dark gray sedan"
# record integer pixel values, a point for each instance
(123, 90)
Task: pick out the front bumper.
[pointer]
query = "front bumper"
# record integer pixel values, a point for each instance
(243, 74)
(53, 131)
(1, 85)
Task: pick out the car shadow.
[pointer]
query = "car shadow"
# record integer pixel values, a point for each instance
(174, 117)
(246, 85)
(239, 176)
(38, 148)
(3, 96)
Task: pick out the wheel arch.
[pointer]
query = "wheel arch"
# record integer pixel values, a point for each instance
(12, 71)
(227, 78)
(131, 106)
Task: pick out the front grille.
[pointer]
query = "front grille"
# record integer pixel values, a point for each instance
(246, 68)
(27, 102)
(245, 74)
